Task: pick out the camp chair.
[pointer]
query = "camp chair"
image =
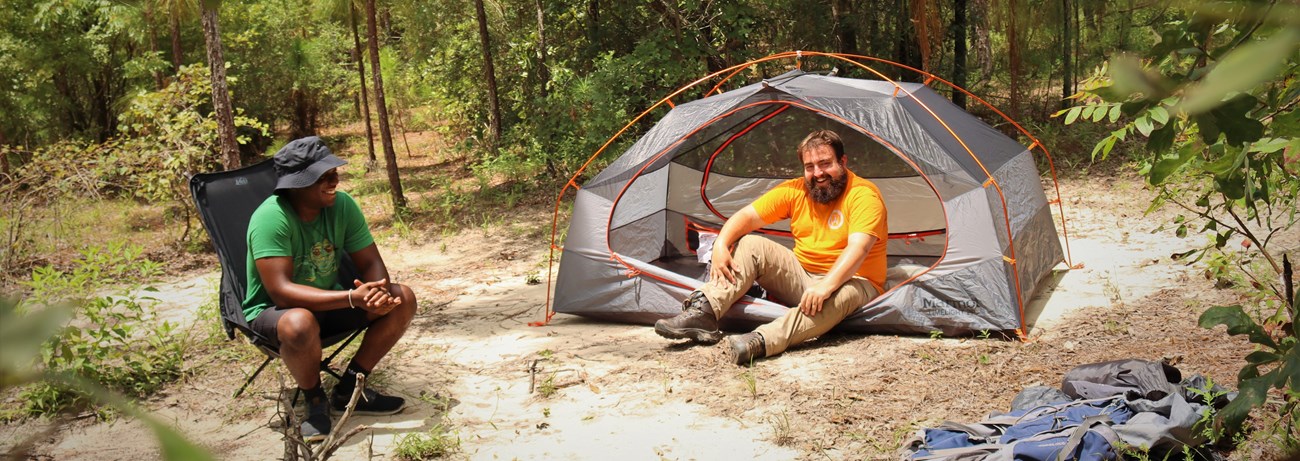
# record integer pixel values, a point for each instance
(226, 200)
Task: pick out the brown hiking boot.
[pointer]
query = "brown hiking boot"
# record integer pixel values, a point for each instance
(747, 347)
(696, 322)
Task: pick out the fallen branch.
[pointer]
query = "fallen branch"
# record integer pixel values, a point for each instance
(333, 442)
(295, 448)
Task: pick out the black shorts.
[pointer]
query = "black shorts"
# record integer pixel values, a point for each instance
(332, 322)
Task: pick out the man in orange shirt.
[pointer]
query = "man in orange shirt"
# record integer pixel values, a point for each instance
(838, 264)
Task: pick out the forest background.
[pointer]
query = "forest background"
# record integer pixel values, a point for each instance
(116, 101)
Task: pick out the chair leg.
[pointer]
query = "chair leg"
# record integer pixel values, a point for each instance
(325, 364)
(254, 376)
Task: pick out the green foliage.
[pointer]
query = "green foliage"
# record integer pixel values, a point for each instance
(115, 263)
(112, 340)
(287, 70)
(165, 136)
(1214, 105)
(25, 333)
(1229, 163)
(168, 135)
(1278, 358)
(436, 443)
(65, 64)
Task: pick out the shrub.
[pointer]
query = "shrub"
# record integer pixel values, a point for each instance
(436, 443)
(111, 340)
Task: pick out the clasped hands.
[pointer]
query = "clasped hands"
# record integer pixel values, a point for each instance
(374, 297)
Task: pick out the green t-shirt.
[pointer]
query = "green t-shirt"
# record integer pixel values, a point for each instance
(275, 230)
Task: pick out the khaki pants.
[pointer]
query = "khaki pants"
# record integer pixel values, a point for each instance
(776, 269)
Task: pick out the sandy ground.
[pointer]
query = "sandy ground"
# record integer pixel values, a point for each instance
(622, 392)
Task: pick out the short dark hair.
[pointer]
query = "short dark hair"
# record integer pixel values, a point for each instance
(822, 138)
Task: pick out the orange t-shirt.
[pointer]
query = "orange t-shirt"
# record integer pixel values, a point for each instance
(821, 231)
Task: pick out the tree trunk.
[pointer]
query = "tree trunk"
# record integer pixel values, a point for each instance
(959, 51)
(361, 78)
(1078, 35)
(873, 32)
(158, 81)
(1125, 23)
(543, 72)
(489, 76)
(220, 93)
(4, 158)
(177, 56)
(385, 136)
(906, 41)
(593, 32)
(713, 61)
(983, 49)
(920, 23)
(845, 32)
(1013, 56)
(301, 122)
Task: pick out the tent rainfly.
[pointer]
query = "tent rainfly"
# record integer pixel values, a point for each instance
(971, 232)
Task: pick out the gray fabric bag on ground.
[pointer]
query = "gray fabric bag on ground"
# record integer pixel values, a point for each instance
(1130, 377)
(1167, 413)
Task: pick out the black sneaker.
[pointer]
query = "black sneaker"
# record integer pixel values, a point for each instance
(316, 426)
(371, 403)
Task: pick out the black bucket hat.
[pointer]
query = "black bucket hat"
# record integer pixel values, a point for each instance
(302, 162)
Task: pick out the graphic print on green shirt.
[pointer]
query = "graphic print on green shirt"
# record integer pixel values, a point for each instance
(275, 231)
(319, 263)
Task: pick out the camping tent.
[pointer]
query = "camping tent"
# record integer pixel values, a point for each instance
(971, 232)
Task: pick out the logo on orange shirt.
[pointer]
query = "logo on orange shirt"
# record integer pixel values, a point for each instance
(836, 220)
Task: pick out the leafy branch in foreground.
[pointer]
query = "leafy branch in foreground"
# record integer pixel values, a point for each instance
(22, 335)
(1276, 351)
(1214, 108)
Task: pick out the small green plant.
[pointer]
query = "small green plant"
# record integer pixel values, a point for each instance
(983, 359)
(1134, 453)
(546, 412)
(782, 433)
(984, 334)
(440, 402)
(936, 334)
(435, 443)
(546, 353)
(1113, 292)
(94, 267)
(750, 382)
(1205, 425)
(404, 230)
(533, 278)
(547, 387)
(108, 351)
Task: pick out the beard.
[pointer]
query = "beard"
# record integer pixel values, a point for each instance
(828, 192)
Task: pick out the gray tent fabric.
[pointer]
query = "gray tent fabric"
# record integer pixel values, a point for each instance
(967, 213)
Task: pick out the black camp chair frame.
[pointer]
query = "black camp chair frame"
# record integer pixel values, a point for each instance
(225, 201)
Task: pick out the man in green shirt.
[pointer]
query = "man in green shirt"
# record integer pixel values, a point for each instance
(296, 240)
